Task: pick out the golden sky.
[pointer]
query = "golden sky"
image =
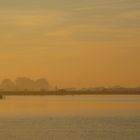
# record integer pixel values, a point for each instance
(72, 43)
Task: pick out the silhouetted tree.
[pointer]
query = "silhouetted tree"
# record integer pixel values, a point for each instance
(42, 84)
(7, 85)
(23, 83)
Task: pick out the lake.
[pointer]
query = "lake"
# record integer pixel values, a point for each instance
(108, 117)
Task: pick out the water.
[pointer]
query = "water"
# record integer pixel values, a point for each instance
(70, 118)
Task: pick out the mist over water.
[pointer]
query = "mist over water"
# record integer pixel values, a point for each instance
(83, 47)
(70, 118)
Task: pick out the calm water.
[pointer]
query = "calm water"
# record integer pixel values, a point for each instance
(70, 118)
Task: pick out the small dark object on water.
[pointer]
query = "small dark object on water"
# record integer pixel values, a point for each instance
(1, 97)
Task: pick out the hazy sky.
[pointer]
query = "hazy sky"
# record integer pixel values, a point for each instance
(71, 42)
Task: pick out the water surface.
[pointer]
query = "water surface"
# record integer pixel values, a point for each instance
(70, 118)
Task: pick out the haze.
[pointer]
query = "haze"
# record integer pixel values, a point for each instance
(75, 43)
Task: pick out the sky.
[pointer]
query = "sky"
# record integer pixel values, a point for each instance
(72, 43)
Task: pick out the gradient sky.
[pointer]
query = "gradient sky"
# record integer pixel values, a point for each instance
(72, 43)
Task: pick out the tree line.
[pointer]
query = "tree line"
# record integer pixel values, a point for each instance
(24, 84)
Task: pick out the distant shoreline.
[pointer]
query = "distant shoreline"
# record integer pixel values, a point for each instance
(64, 93)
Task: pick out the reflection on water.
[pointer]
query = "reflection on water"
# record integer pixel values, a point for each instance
(70, 118)
(68, 105)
